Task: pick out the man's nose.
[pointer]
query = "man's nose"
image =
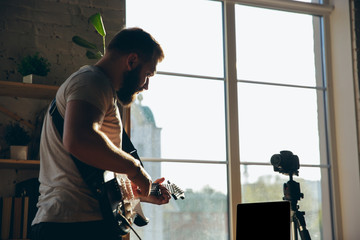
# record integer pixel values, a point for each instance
(146, 85)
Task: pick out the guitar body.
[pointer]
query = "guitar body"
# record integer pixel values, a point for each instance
(118, 204)
(112, 205)
(113, 198)
(125, 208)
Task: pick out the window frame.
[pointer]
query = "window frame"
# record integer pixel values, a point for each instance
(340, 123)
(340, 222)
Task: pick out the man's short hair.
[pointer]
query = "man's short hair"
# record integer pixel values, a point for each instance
(136, 40)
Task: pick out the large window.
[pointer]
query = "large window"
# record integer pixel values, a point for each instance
(179, 125)
(280, 102)
(182, 124)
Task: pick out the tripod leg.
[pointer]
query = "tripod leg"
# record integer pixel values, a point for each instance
(294, 235)
(301, 225)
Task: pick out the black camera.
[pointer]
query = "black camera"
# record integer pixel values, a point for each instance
(285, 162)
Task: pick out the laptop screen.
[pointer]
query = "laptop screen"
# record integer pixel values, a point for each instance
(263, 220)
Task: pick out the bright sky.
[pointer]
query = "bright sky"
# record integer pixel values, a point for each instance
(272, 46)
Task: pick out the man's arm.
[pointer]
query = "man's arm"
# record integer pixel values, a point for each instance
(83, 139)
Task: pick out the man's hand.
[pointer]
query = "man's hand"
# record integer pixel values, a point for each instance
(143, 182)
(163, 198)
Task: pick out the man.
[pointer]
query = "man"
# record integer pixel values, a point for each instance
(87, 101)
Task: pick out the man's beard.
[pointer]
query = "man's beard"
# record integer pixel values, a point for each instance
(127, 93)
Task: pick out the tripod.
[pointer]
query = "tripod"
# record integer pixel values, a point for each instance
(292, 193)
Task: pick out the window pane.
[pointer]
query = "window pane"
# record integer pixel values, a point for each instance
(275, 46)
(262, 184)
(183, 123)
(203, 212)
(273, 118)
(190, 32)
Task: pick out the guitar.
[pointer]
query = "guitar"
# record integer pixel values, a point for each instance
(117, 203)
(125, 207)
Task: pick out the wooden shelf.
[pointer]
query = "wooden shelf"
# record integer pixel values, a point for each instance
(19, 164)
(27, 90)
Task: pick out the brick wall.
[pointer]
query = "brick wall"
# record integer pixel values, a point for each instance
(47, 26)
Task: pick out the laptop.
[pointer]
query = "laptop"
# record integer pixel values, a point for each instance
(263, 220)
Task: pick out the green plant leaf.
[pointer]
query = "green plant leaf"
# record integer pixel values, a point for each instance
(91, 55)
(97, 22)
(83, 43)
(34, 64)
(16, 135)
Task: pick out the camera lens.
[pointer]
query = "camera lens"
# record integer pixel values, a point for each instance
(276, 160)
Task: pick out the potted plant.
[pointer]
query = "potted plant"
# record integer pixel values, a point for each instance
(93, 52)
(33, 66)
(18, 139)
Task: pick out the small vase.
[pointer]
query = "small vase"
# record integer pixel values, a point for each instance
(32, 78)
(19, 152)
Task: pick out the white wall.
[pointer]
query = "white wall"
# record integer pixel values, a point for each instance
(346, 168)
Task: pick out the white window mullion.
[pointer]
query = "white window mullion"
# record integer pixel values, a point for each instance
(321, 81)
(232, 115)
(332, 152)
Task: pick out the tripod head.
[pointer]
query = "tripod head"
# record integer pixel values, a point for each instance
(292, 193)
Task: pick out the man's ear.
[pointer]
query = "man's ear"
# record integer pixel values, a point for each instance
(132, 61)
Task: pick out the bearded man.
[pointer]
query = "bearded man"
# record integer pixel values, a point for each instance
(92, 133)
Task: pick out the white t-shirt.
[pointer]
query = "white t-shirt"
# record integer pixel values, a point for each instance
(64, 196)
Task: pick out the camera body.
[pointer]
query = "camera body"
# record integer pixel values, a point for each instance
(285, 162)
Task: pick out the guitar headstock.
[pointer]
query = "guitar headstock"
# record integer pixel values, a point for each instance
(174, 190)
